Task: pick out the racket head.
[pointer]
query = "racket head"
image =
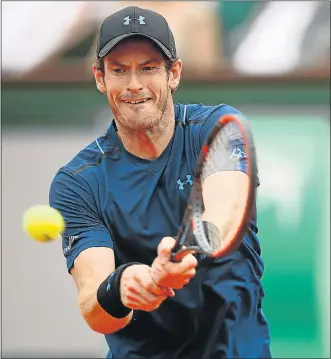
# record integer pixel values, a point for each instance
(228, 149)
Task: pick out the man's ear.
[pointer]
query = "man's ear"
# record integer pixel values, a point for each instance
(175, 74)
(99, 79)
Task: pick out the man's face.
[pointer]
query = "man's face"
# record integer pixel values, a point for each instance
(137, 83)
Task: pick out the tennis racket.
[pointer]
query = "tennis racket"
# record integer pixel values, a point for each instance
(228, 149)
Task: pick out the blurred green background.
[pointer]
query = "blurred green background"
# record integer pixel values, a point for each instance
(51, 109)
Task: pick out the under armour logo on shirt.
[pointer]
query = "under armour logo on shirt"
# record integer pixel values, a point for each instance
(141, 19)
(187, 181)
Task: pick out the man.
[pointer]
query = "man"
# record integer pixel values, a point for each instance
(123, 198)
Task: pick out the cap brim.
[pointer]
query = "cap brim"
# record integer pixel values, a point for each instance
(105, 50)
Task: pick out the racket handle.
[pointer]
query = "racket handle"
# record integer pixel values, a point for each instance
(174, 255)
(175, 249)
(177, 256)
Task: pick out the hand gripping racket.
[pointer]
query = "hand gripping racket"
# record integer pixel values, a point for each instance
(229, 148)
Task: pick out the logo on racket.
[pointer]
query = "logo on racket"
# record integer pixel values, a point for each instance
(187, 181)
(238, 152)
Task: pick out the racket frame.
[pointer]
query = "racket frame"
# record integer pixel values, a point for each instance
(189, 226)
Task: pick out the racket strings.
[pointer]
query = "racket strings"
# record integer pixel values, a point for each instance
(206, 234)
(229, 147)
(213, 235)
(222, 154)
(198, 229)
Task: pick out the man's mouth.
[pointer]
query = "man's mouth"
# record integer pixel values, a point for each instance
(137, 101)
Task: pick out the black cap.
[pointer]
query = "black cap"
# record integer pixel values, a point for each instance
(133, 21)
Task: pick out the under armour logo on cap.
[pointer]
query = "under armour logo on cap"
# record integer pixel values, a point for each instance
(131, 21)
(141, 19)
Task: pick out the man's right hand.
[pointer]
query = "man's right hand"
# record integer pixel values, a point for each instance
(139, 291)
(169, 274)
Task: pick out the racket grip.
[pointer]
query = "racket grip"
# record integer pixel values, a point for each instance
(174, 257)
(177, 256)
(174, 251)
(179, 251)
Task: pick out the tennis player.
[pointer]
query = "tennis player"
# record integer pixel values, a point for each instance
(123, 198)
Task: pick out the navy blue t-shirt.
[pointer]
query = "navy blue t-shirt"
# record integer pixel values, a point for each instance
(111, 198)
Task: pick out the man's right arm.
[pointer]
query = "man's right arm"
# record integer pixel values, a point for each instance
(106, 295)
(91, 268)
(136, 288)
(87, 245)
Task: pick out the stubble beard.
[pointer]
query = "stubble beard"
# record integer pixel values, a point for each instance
(154, 124)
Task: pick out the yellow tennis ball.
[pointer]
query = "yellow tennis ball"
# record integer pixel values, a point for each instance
(43, 223)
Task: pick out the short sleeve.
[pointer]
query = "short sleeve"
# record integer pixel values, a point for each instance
(71, 195)
(237, 144)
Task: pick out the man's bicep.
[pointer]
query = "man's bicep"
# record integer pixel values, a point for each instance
(93, 265)
(84, 227)
(225, 186)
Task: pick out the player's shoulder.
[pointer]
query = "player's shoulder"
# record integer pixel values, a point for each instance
(89, 158)
(195, 114)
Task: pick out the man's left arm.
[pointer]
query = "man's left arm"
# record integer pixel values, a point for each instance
(225, 192)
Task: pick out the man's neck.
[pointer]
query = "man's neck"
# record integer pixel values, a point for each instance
(147, 144)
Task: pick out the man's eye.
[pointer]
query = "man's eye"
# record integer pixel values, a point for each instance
(117, 71)
(149, 68)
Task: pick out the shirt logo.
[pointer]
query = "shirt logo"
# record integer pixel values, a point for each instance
(181, 183)
(141, 19)
(71, 240)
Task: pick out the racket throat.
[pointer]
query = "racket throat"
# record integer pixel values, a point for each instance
(179, 254)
